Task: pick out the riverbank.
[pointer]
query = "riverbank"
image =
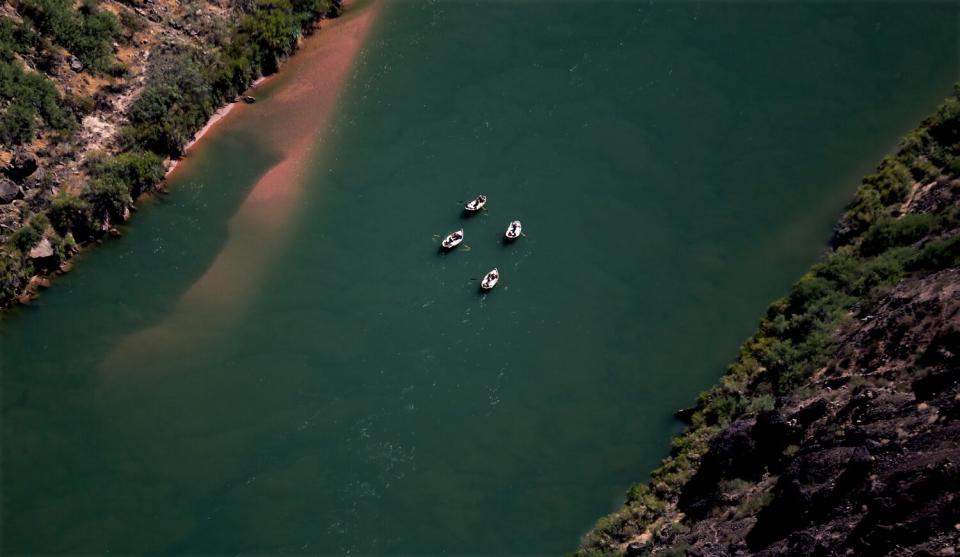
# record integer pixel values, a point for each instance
(218, 115)
(303, 100)
(173, 79)
(835, 431)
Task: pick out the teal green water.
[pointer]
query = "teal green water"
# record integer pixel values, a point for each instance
(676, 167)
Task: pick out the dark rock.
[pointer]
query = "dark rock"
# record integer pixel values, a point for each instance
(855, 475)
(773, 432)
(37, 200)
(685, 414)
(22, 165)
(786, 513)
(35, 180)
(249, 99)
(9, 191)
(634, 549)
(732, 454)
(932, 384)
(336, 8)
(811, 412)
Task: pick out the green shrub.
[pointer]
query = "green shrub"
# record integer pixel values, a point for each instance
(185, 86)
(71, 215)
(15, 38)
(139, 170)
(108, 199)
(80, 106)
(25, 238)
(937, 255)
(131, 21)
(175, 103)
(30, 95)
(760, 403)
(890, 232)
(18, 125)
(753, 505)
(15, 271)
(85, 31)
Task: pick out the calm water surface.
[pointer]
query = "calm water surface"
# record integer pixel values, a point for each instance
(676, 166)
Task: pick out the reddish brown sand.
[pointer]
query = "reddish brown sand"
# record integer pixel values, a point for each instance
(303, 100)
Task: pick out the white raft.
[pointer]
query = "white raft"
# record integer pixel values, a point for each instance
(514, 230)
(476, 204)
(452, 240)
(490, 280)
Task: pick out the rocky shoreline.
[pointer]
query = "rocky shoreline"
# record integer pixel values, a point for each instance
(62, 190)
(836, 430)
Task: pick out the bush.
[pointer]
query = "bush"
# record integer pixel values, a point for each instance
(937, 255)
(185, 86)
(84, 31)
(131, 21)
(25, 238)
(139, 170)
(71, 215)
(15, 38)
(15, 271)
(28, 235)
(888, 232)
(175, 103)
(30, 95)
(753, 505)
(108, 199)
(18, 125)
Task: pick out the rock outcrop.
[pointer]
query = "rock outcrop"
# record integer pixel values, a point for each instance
(861, 456)
(9, 191)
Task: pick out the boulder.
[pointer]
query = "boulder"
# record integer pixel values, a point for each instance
(23, 164)
(9, 191)
(42, 250)
(75, 64)
(732, 454)
(34, 180)
(634, 548)
(811, 412)
(934, 383)
(37, 282)
(774, 431)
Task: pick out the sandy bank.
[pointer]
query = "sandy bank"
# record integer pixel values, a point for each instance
(295, 116)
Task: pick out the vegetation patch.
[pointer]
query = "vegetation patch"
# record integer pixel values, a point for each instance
(185, 85)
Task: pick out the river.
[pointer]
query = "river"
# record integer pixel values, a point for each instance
(276, 358)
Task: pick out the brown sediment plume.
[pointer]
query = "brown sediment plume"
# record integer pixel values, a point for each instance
(302, 101)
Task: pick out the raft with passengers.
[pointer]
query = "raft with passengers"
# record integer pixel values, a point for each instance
(475, 204)
(454, 239)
